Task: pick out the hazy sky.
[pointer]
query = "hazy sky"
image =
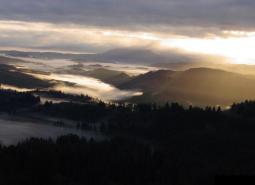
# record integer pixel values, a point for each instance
(220, 27)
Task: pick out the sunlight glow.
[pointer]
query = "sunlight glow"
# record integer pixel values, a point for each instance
(238, 49)
(236, 46)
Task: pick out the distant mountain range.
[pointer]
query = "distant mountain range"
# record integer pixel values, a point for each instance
(195, 86)
(41, 55)
(173, 60)
(120, 55)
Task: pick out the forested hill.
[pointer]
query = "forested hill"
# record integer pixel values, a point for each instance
(155, 145)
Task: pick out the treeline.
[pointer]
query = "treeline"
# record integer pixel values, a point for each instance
(134, 119)
(60, 95)
(151, 121)
(166, 144)
(194, 144)
(90, 112)
(76, 161)
(11, 101)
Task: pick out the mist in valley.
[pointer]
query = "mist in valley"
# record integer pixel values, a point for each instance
(214, 83)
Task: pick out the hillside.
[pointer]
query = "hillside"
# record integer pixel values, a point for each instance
(197, 86)
(5, 60)
(109, 76)
(10, 76)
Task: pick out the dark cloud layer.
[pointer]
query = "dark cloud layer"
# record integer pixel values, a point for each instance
(161, 15)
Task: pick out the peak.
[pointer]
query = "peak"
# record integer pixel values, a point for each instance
(205, 69)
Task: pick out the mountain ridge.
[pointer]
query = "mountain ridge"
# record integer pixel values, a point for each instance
(198, 86)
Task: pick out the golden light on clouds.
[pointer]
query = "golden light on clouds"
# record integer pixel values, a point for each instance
(238, 49)
(78, 34)
(235, 45)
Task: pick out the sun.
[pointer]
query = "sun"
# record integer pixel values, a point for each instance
(239, 49)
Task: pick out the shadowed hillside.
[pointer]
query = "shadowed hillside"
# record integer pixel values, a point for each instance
(9, 75)
(5, 60)
(199, 86)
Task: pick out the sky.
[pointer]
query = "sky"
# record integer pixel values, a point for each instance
(214, 27)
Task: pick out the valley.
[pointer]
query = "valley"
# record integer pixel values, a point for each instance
(197, 86)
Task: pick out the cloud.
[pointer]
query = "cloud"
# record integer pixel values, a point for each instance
(100, 25)
(64, 37)
(187, 17)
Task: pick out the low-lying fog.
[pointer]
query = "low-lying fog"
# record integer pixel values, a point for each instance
(53, 65)
(89, 86)
(13, 131)
(78, 84)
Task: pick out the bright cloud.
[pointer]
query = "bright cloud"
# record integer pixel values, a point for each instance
(235, 45)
